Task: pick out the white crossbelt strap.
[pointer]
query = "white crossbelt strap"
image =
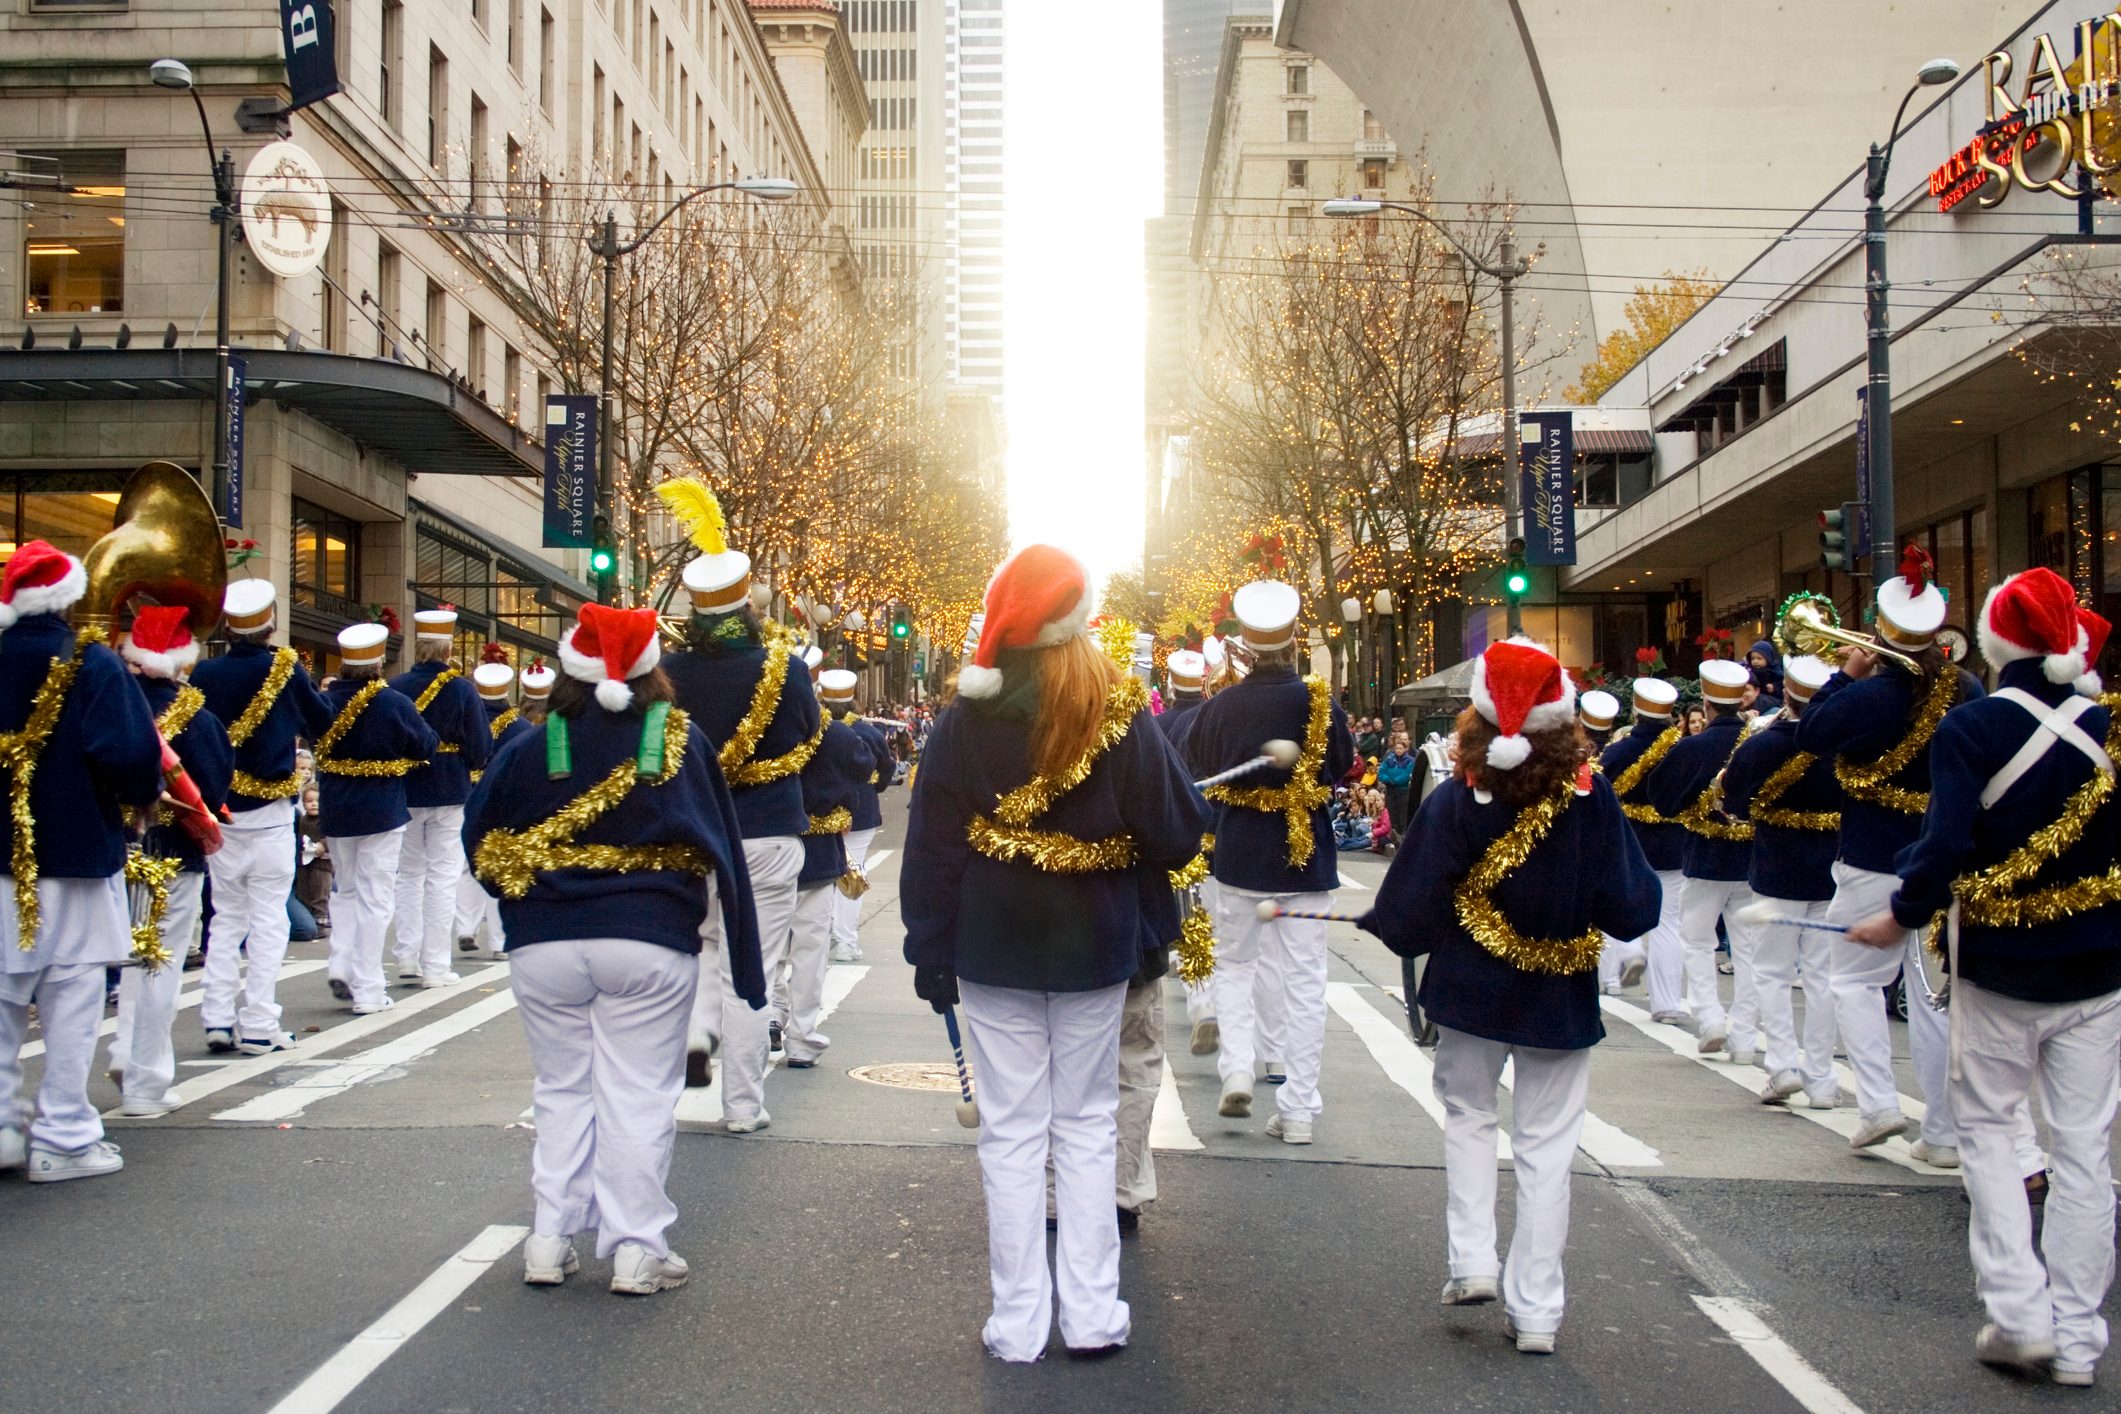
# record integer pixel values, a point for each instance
(2056, 724)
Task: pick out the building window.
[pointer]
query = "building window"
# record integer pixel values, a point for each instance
(390, 75)
(1373, 173)
(324, 559)
(1299, 219)
(515, 36)
(437, 105)
(477, 159)
(475, 357)
(70, 509)
(1299, 79)
(436, 335)
(511, 384)
(387, 306)
(478, 13)
(548, 57)
(1298, 122)
(73, 238)
(1299, 174)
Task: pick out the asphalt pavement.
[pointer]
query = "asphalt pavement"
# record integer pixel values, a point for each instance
(341, 1228)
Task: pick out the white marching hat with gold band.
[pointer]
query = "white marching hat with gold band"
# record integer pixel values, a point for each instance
(1598, 709)
(248, 605)
(1654, 697)
(1266, 611)
(1910, 607)
(1802, 676)
(836, 685)
(1188, 670)
(1723, 682)
(813, 658)
(492, 679)
(537, 683)
(435, 623)
(362, 645)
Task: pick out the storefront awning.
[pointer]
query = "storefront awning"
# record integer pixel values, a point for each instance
(1590, 441)
(416, 418)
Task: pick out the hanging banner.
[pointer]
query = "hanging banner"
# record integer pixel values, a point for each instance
(570, 470)
(234, 394)
(1548, 456)
(312, 56)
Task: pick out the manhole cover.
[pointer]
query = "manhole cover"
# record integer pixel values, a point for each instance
(910, 1075)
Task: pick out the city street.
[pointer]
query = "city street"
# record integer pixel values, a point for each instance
(343, 1224)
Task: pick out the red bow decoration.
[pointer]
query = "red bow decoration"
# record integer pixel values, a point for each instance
(386, 616)
(493, 653)
(1915, 568)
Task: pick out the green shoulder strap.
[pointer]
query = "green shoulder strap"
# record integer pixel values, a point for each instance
(649, 762)
(559, 754)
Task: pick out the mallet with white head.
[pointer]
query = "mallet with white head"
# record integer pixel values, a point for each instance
(1274, 753)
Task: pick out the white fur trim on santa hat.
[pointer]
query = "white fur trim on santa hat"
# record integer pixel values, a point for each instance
(160, 665)
(1507, 753)
(612, 694)
(976, 681)
(2071, 667)
(1062, 629)
(46, 598)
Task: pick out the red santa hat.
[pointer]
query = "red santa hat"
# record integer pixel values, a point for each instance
(160, 644)
(39, 579)
(1039, 598)
(2035, 615)
(1519, 687)
(608, 646)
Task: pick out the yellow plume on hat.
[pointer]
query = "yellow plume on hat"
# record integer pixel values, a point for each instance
(698, 511)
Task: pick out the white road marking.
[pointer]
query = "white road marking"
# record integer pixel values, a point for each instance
(1843, 1121)
(185, 1002)
(876, 859)
(705, 1106)
(1772, 1354)
(362, 1356)
(839, 981)
(1403, 1062)
(1167, 1120)
(1347, 882)
(243, 1068)
(292, 1099)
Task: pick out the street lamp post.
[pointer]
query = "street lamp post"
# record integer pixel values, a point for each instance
(606, 243)
(1351, 617)
(1879, 398)
(1506, 272)
(174, 74)
(1387, 657)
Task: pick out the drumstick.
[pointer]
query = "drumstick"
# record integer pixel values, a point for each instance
(967, 1108)
(1269, 910)
(1764, 913)
(1273, 753)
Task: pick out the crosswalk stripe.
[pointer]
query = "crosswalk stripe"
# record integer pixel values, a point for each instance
(1347, 882)
(289, 1101)
(876, 859)
(244, 1068)
(185, 1001)
(1841, 1121)
(1168, 1128)
(1403, 1062)
(705, 1106)
(1792, 1371)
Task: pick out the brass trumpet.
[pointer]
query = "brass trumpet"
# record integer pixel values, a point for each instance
(1810, 626)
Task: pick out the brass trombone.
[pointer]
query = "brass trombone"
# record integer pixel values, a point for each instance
(1809, 625)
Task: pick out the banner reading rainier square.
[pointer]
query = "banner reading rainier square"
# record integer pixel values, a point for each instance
(1548, 451)
(570, 469)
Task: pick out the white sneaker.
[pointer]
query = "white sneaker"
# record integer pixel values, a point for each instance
(1236, 1103)
(753, 1125)
(636, 1271)
(51, 1166)
(548, 1261)
(408, 969)
(266, 1045)
(150, 1109)
(1744, 1056)
(1631, 971)
(2075, 1376)
(1471, 1291)
(1878, 1128)
(14, 1147)
(1939, 1156)
(440, 979)
(1207, 1037)
(371, 1008)
(1612, 989)
(1823, 1100)
(1781, 1085)
(1530, 1342)
(220, 1039)
(1714, 1038)
(1998, 1347)
(841, 952)
(1674, 1018)
(1288, 1129)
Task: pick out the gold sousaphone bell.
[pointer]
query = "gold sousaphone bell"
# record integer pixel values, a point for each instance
(1810, 626)
(164, 546)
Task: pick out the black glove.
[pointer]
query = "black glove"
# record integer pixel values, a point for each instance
(937, 986)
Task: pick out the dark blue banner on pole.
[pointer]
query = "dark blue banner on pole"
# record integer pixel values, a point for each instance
(234, 393)
(312, 55)
(1548, 453)
(1859, 534)
(570, 469)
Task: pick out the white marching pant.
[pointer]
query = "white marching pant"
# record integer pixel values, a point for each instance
(2072, 1053)
(1778, 953)
(809, 947)
(605, 1018)
(1141, 1075)
(847, 912)
(1859, 976)
(478, 913)
(69, 999)
(147, 1001)
(1615, 956)
(364, 879)
(775, 863)
(1701, 903)
(1272, 975)
(253, 874)
(1048, 1065)
(1665, 947)
(1929, 1046)
(1547, 1097)
(429, 865)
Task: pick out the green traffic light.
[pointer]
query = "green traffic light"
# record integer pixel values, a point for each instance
(1518, 582)
(600, 561)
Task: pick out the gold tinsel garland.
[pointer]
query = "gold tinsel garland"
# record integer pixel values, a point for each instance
(502, 721)
(177, 716)
(1193, 957)
(1482, 917)
(736, 752)
(442, 680)
(257, 788)
(18, 753)
(1009, 835)
(1641, 766)
(831, 824)
(758, 773)
(283, 668)
(1304, 792)
(329, 765)
(1704, 815)
(511, 860)
(1036, 796)
(1867, 782)
(153, 873)
(1116, 638)
(1785, 777)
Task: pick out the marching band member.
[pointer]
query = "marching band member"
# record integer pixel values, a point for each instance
(835, 781)
(1874, 719)
(1629, 762)
(476, 913)
(836, 691)
(161, 650)
(1272, 842)
(432, 860)
(79, 745)
(1507, 878)
(537, 683)
(1188, 672)
(609, 837)
(265, 698)
(1793, 804)
(377, 740)
(1043, 790)
(1596, 711)
(752, 700)
(1715, 864)
(2017, 854)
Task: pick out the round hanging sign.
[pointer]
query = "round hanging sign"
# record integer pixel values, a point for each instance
(286, 209)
